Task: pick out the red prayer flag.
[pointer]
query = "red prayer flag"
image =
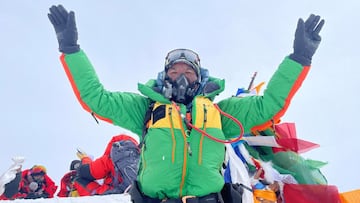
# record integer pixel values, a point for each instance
(298, 193)
(286, 137)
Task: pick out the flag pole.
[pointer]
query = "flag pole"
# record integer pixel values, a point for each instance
(252, 80)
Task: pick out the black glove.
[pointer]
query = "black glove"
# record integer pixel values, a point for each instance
(65, 28)
(307, 39)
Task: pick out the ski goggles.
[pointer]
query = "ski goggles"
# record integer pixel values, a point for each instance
(182, 55)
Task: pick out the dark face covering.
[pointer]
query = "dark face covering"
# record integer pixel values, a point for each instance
(181, 90)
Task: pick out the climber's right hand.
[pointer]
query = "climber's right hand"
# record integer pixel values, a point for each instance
(65, 28)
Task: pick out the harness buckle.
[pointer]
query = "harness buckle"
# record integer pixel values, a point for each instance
(184, 198)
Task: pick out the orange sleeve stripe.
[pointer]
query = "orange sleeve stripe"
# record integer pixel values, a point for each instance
(282, 111)
(76, 91)
(72, 82)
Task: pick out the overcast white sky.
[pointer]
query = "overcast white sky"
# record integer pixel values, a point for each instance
(127, 42)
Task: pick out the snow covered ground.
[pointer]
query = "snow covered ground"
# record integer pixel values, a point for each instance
(118, 198)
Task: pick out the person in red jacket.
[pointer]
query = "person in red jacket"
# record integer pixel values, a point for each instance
(35, 183)
(67, 188)
(117, 167)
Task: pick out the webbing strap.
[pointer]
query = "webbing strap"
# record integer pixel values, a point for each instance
(146, 120)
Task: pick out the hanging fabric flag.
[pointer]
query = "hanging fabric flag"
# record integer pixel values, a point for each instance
(286, 137)
(268, 141)
(350, 196)
(241, 91)
(256, 90)
(298, 193)
(238, 173)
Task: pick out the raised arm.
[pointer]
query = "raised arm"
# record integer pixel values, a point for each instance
(258, 112)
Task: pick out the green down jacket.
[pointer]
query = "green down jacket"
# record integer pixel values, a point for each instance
(176, 162)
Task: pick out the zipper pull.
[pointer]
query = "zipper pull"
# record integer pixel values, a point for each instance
(189, 148)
